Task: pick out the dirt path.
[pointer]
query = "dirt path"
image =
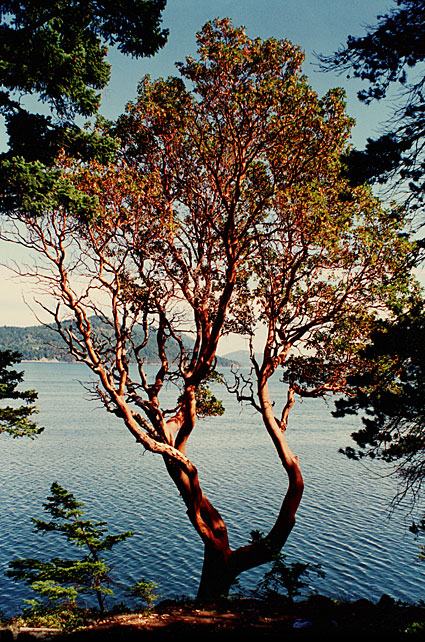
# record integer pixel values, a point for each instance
(316, 619)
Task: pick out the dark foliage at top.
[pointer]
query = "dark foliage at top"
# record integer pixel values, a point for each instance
(388, 57)
(56, 51)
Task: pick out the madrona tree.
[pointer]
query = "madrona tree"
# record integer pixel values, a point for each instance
(225, 212)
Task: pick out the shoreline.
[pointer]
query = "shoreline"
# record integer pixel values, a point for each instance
(250, 619)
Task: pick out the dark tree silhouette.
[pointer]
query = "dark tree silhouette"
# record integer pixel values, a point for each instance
(390, 59)
(16, 421)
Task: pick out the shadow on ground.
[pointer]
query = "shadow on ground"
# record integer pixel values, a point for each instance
(316, 618)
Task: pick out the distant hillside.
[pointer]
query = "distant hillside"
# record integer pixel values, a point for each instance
(240, 357)
(39, 343)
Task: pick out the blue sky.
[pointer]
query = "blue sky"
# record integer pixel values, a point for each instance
(315, 25)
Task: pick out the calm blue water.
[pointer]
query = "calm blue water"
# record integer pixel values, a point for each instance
(342, 522)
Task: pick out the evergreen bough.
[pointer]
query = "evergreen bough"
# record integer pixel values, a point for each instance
(60, 581)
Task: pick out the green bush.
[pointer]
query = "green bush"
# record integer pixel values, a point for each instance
(289, 577)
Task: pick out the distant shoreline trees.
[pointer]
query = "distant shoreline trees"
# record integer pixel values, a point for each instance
(42, 343)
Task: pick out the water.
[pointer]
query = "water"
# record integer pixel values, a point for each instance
(342, 522)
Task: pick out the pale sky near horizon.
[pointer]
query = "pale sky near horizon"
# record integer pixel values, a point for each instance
(315, 25)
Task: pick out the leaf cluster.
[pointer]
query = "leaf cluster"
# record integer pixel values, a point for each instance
(65, 616)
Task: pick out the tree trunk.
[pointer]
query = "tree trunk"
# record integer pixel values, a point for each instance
(217, 575)
(221, 565)
(219, 571)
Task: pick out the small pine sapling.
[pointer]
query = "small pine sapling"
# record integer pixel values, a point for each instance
(60, 581)
(292, 577)
(144, 592)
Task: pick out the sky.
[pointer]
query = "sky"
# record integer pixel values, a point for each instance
(317, 26)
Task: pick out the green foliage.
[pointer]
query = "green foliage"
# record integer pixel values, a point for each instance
(52, 592)
(144, 592)
(40, 189)
(64, 616)
(290, 577)
(415, 629)
(207, 404)
(57, 51)
(16, 420)
(58, 581)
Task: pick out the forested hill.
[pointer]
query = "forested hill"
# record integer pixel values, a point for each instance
(38, 342)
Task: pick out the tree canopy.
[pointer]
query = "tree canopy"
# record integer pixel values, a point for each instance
(56, 52)
(390, 58)
(224, 212)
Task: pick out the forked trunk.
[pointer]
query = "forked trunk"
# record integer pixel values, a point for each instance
(222, 565)
(220, 571)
